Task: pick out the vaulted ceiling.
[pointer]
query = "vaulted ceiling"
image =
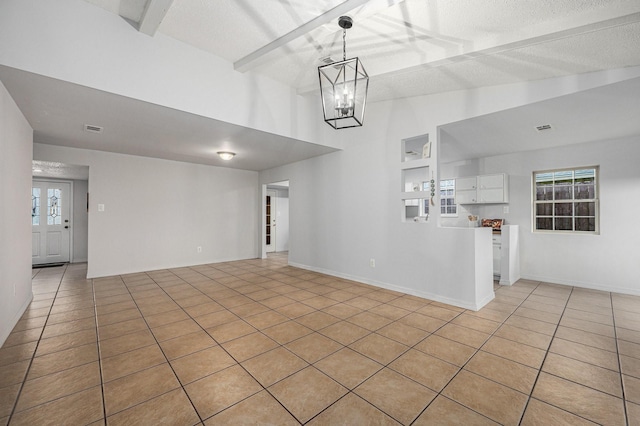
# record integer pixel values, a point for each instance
(409, 48)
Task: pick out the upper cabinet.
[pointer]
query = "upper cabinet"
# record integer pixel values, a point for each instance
(467, 190)
(486, 189)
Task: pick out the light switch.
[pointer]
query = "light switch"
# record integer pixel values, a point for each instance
(100, 207)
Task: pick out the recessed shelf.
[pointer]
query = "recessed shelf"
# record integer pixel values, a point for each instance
(415, 149)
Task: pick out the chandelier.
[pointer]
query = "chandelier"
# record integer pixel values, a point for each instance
(343, 87)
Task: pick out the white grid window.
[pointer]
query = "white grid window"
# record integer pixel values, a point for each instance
(566, 200)
(448, 205)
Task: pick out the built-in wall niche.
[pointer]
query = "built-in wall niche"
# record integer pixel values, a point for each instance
(415, 210)
(415, 178)
(416, 148)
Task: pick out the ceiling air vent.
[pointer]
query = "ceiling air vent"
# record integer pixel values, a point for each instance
(93, 129)
(543, 127)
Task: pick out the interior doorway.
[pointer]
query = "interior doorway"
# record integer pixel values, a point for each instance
(276, 218)
(59, 213)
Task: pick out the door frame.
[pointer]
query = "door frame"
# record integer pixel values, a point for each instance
(71, 221)
(263, 216)
(274, 214)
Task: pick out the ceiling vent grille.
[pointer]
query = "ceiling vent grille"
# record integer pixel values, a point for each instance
(92, 129)
(543, 127)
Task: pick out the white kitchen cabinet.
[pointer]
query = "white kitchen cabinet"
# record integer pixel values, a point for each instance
(493, 188)
(466, 190)
(486, 189)
(509, 255)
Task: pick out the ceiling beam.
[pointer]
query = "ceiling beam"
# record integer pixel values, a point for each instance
(249, 61)
(493, 47)
(154, 13)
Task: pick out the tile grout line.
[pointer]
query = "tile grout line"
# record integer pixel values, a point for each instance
(95, 309)
(546, 353)
(203, 329)
(439, 393)
(159, 347)
(310, 364)
(238, 362)
(619, 357)
(569, 380)
(35, 350)
(254, 270)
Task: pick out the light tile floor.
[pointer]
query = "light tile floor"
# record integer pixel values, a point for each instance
(258, 341)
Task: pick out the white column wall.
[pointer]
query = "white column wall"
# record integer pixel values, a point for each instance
(345, 207)
(157, 212)
(16, 145)
(80, 220)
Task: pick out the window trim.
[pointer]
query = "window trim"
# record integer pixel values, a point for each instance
(595, 200)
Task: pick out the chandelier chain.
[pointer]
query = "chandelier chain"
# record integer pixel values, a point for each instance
(344, 44)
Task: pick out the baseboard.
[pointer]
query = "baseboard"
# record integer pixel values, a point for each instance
(101, 274)
(388, 286)
(4, 333)
(587, 285)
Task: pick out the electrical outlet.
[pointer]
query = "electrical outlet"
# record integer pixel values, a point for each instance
(372, 263)
(505, 209)
(199, 249)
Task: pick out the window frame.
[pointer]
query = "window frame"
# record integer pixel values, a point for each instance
(455, 204)
(535, 202)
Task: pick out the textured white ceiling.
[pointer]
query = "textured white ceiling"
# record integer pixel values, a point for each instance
(412, 47)
(605, 113)
(58, 111)
(513, 40)
(409, 48)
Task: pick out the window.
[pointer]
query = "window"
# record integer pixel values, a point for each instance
(566, 200)
(35, 206)
(448, 205)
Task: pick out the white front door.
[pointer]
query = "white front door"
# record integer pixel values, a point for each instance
(270, 221)
(50, 220)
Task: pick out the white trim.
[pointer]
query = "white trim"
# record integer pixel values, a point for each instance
(410, 291)
(581, 284)
(172, 266)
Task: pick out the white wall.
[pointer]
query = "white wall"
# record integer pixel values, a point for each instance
(80, 221)
(608, 261)
(157, 212)
(75, 41)
(345, 206)
(16, 144)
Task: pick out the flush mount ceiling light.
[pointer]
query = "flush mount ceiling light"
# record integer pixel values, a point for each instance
(226, 155)
(343, 87)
